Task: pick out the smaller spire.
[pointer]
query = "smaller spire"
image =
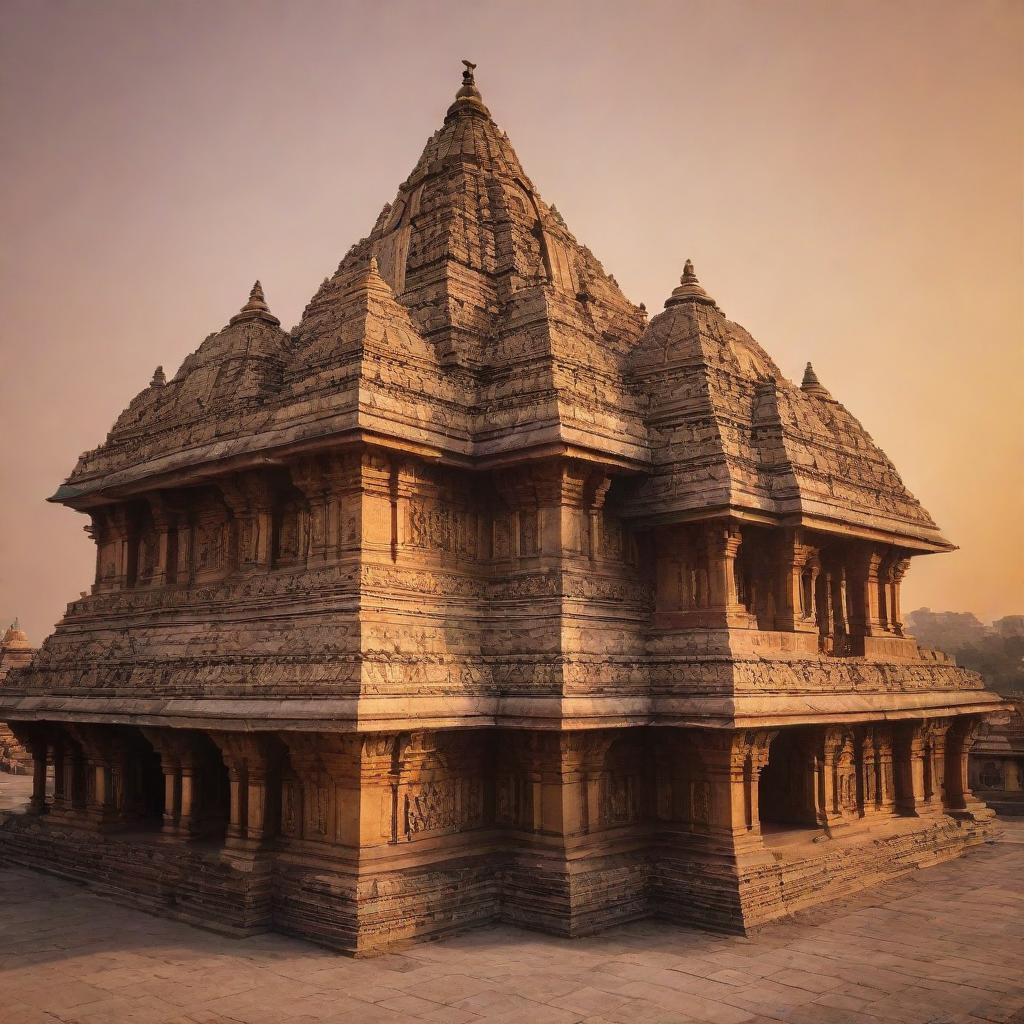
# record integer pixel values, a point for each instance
(15, 639)
(468, 97)
(159, 378)
(256, 308)
(370, 279)
(689, 289)
(810, 385)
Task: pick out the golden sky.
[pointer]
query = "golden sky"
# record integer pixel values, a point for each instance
(847, 177)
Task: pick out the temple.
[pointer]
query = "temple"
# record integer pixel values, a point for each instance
(996, 768)
(15, 652)
(480, 596)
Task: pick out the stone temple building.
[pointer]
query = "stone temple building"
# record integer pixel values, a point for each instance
(480, 596)
(996, 767)
(15, 652)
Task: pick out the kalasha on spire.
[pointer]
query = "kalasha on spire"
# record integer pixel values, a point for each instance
(256, 309)
(810, 385)
(689, 289)
(159, 378)
(468, 97)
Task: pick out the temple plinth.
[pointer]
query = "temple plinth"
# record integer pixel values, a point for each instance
(481, 595)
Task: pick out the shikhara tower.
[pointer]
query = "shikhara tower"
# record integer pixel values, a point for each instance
(479, 596)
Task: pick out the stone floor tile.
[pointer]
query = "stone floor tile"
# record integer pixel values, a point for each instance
(415, 1006)
(450, 1015)
(807, 980)
(590, 1000)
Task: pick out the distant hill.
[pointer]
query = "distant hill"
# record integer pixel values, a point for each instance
(996, 651)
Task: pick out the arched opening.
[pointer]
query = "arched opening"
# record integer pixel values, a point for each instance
(787, 786)
(143, 781)
(212, 791)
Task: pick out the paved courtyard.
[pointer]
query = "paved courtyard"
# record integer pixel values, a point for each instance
(943, 945)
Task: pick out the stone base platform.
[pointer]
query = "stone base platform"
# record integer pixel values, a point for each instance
(242, 891)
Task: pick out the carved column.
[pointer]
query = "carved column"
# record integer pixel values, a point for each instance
(563, 491)
(378, 506)
(864, 580)
(839, 777)
(758, 745)
(960, 801)
(327, 482)
(252, 761)
(840, 614)
(178, 765)
(72, 769)
(732, 762)
(105, 757)
(935, 763)
(723, 542)
(908, 756)
(211, 550)
(896, 571)
(594, 497)
(250, 497)
(184, 572)
(110, 550)
(165, 525)
(885, 791)
(796, 612)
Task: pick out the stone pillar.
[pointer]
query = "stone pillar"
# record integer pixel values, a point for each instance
(840, 615)
(252, 761)
(935, 763)
(376, 507)
(72, 764)
(107, 753)
(59, 801)
(722, 543)
(960, 801)
(759, 743)
(865, 757)
(863, 576)
(732, 762)
(326, 482)
(250, 497)
(172, 796)
(896, 571)
(176, 748)
(825, 614)
(796, 611)
(840, 778)
(594, 497)
(211, 547)
(908, 756)
(165, 523)
(881, 741)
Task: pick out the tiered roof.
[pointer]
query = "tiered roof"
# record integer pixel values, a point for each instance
(472, 325)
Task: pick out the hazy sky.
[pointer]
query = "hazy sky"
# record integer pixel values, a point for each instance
(847, 177)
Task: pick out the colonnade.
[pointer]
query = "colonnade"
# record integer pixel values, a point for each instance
(245, 788)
